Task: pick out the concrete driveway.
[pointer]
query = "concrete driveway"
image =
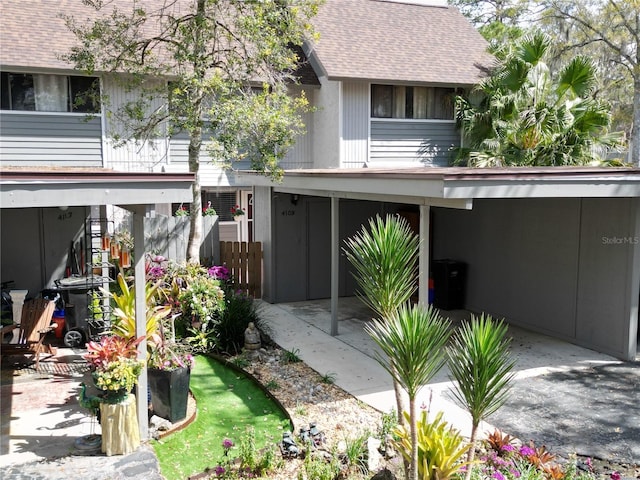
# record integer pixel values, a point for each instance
(571, 399)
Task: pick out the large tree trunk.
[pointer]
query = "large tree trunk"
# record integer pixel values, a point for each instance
(635, 132)
(195, 145)
(195, 212)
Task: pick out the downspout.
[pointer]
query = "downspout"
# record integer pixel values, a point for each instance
(335, 262)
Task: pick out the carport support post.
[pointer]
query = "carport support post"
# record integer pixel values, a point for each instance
(423, 262)
(335, 262)
(141, 316)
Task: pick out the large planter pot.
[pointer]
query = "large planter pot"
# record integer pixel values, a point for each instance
(169, 392)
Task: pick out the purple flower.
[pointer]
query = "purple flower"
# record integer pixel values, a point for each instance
(219, 272)
(526, 451)
(158, 259)
(615, 476)
(498, 476)
(227, 443)
(219, 470)
(156, 271)
(507, 448)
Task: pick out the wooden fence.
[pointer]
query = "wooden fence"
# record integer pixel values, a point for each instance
(168, 236)
(244, 261)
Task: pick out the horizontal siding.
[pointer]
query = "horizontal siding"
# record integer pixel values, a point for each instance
(424, 143)
(56, 140)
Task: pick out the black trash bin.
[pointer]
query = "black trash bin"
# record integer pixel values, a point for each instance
(449, 278)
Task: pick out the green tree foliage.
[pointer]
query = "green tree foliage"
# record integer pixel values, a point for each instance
(211, 51)
(479, 361)
(486, 12)
(608, 31)
(522, 114)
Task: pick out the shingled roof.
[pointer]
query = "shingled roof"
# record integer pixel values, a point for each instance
(373, 40)
(384, 41)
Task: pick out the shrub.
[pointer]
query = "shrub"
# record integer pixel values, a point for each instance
(232, 320)
(440, 447)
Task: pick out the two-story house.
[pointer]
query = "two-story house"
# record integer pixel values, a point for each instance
(554, 250)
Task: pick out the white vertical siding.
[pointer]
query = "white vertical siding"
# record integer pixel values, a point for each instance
(301, 154)
(326, 131)
(134, 155)
(355, 124)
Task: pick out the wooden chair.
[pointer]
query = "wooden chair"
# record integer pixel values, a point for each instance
(34, 325)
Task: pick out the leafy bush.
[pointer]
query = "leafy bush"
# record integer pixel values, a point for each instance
(354, 457)
(440, 447)
(237, 312)
(318, 468)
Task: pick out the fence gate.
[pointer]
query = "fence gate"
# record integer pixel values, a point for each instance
(244, 261)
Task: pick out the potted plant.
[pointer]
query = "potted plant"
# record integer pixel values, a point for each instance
(237, 211)
(168, 373)
(114, 366)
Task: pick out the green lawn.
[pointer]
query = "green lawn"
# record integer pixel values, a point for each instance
(228, 402)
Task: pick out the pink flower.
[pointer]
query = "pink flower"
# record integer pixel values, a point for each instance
(588, 463)
(616, 476)
(219, 272)
(526, 451)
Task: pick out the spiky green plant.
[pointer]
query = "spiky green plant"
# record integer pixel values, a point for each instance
(385, 262)
(479, 360)
(413, 341)
(440, 447)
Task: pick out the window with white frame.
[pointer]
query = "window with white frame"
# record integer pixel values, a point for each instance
(49, 93)
(400, 101)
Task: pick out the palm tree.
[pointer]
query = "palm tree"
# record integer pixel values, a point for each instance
(412, 340)
(385, 260)
(478, 359)
(523, 115)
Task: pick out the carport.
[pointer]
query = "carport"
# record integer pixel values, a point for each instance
(555, 250)
(64, 188)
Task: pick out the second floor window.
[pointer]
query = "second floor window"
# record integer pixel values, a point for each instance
(399, 101)
(49, 93)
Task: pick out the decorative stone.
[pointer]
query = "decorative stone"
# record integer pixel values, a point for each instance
(252, 338)
(374, 459)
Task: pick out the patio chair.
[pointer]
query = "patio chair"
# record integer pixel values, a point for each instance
(34, 325)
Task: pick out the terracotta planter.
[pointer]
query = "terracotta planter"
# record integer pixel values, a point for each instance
(169, 392)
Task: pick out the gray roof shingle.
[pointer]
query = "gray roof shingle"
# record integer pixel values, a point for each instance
(359, 39)
(396, 42)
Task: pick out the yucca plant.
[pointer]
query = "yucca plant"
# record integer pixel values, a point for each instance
(385, 262)
(440, 447)
(478, 359)
(412, 340)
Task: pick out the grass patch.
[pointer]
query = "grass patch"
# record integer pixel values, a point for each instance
(228, 403)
